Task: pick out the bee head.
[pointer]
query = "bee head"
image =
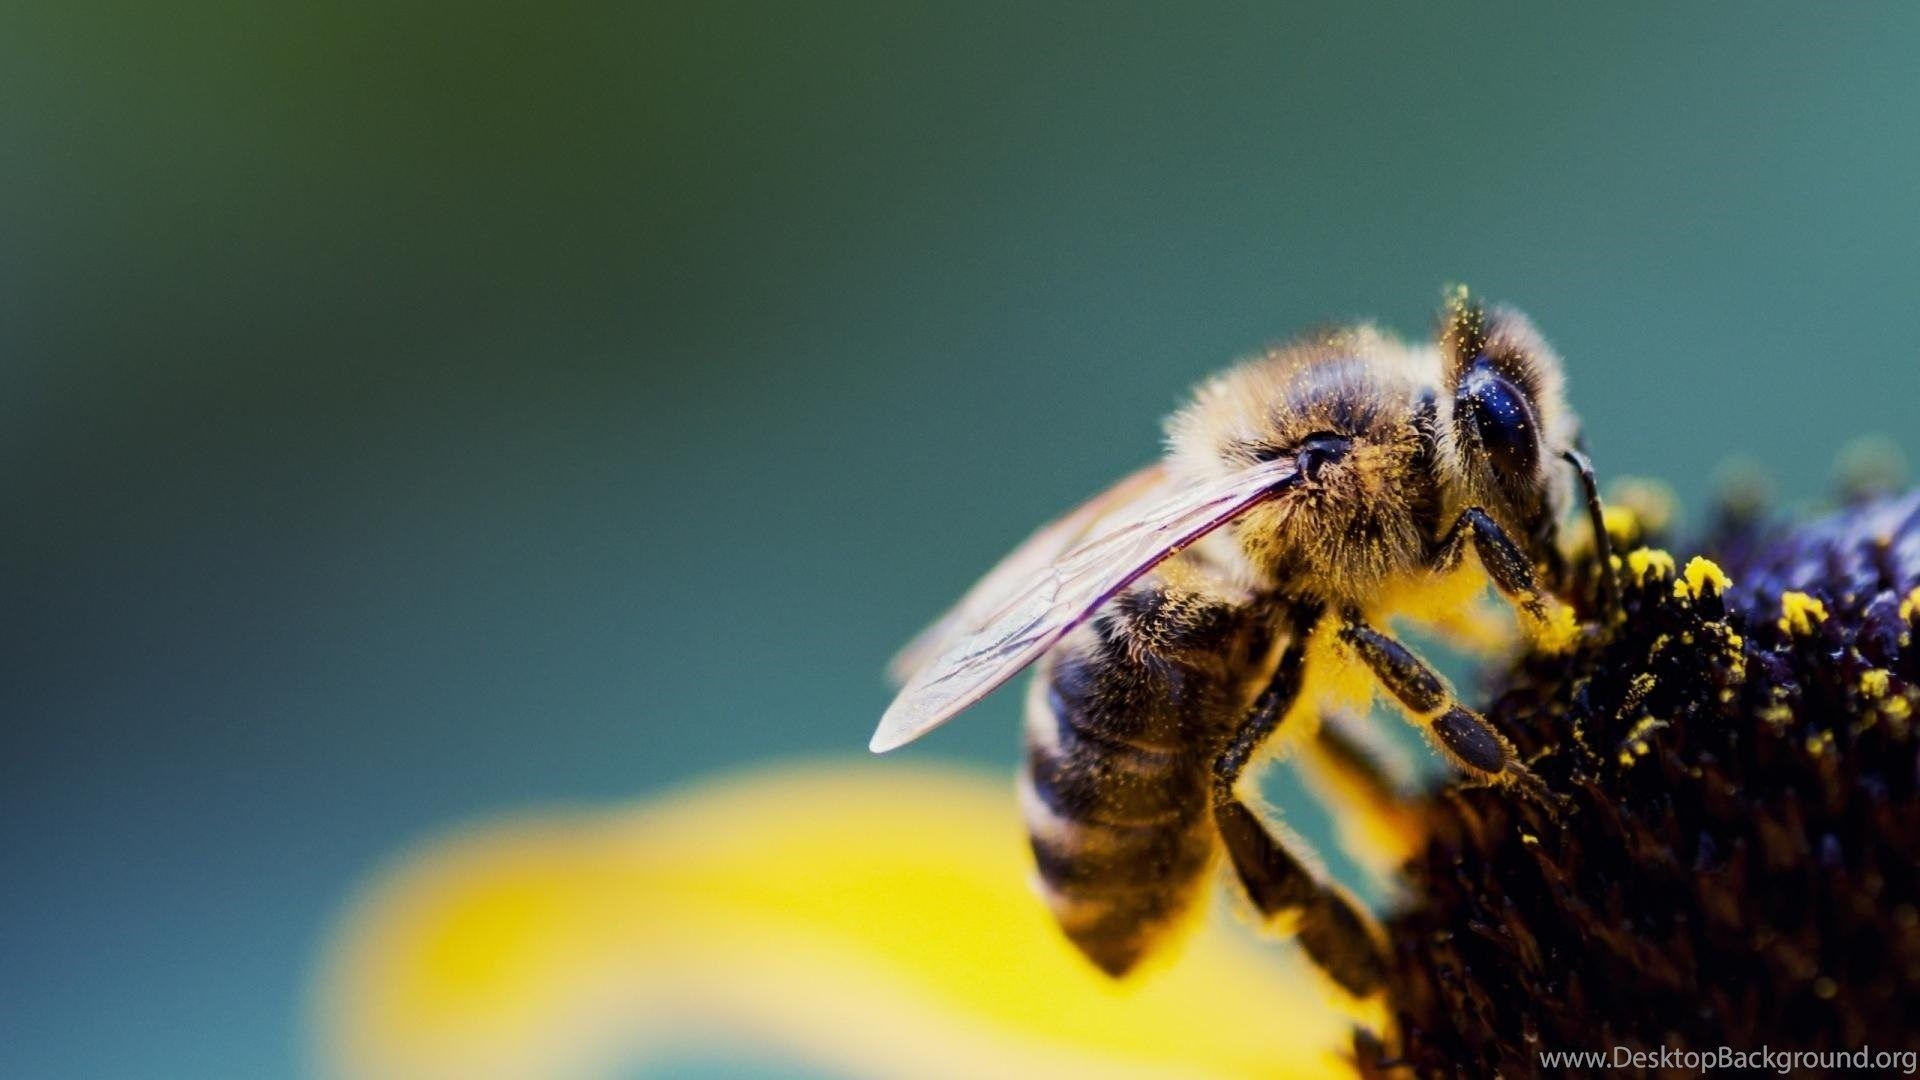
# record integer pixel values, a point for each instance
(1505, 419)
(1343, 404)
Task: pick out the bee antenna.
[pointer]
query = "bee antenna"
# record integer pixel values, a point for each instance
(1602, 544)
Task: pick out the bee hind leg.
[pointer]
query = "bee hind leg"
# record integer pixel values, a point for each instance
(1370, 785)
(1330, 926)
(1372, 767)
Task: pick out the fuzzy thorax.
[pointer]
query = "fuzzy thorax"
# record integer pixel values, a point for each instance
(1360, 519)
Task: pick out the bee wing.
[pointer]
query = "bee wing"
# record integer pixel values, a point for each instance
(1052, 599)
(1040, 550)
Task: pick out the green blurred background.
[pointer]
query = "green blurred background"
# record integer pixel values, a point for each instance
(416, 413)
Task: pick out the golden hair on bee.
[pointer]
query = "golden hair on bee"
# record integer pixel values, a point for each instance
(1305, 495)
(1368, 509)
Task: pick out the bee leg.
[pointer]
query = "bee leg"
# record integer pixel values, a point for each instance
(1506, 564)
(1369, 783)
(1271, 706)
(1340, 937)
(1462, 734)
(1332, 928)
(1368, 762)
(1550, 622)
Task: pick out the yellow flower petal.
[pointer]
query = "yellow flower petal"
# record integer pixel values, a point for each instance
(870, 919)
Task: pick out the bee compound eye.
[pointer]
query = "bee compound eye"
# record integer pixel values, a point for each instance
(1501, 418)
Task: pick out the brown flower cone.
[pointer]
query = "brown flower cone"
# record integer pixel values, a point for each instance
(1737, 862)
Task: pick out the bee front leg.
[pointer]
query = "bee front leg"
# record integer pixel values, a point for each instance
(1331, 926)
(1551, 621)
(1462, 734)
(1510, 569)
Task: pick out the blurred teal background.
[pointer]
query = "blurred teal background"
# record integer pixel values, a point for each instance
(415, 413)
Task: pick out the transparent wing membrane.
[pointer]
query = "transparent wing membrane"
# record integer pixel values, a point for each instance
(1038, 551)
(1033, 608)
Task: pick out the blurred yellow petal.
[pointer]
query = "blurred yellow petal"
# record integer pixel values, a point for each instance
(869, 919)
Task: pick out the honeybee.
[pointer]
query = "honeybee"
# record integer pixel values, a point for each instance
(1305, 496)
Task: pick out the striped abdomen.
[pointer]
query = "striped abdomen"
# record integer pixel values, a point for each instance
(1116, 786)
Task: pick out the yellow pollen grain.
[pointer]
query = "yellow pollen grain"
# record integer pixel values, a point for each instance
(1910, 605)
(1558, 632)
(1644, 560)
(1641, 685)
(1874, 684)
(1897, 708)
(1800, 613)
(1623, 525)
(1701, 572)
(1820, 743)
(1635, 745)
